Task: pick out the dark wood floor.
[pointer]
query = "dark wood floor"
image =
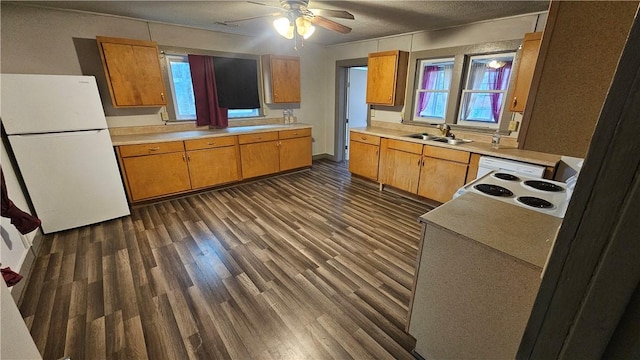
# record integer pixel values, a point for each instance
(309, 265)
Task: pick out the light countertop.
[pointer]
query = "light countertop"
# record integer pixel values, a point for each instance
(524, 234)
(132, 139)
(474, 147)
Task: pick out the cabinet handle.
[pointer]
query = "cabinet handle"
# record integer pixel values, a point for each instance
(210, 143)
(376, 152)
(154, 149)
(183, 158)
(258, 138)
(162, 96)
(419, 160)
(363, 138)
(188, 157)
(515, 101)
(422, 162)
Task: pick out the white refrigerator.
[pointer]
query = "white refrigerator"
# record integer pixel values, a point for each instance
(58, 134)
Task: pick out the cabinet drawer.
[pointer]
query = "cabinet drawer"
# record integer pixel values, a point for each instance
(151, 148)
(209, 143)
(290, 134)
(363, 138)
(257, 137)
(405, 146)
(447, 154)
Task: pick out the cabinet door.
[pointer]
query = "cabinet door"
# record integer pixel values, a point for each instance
(527, 64)
(295, 153)
(211, 167)
(386, 78)
(156, 175)
(400, 169)
(132, 68)
(259, 159)
(363, 159)
(440, 179)
(282, 79)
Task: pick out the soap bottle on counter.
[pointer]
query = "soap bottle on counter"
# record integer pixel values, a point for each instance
(495, 139)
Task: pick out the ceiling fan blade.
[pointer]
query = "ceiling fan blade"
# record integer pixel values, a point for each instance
(332, 13)
(251, 18)
(265, 5)
(331, 25)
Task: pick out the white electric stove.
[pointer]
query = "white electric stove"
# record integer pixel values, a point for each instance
(542, 195)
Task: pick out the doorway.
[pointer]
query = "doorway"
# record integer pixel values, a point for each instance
(351, 108)
(356, 101)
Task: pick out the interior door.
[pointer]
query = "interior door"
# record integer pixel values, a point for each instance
(356, 100)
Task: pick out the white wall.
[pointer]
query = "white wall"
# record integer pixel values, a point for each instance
(12, 248)
(38, 40)
(487, 31)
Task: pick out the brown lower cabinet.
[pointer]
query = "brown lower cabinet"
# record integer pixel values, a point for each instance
(295, 153)
(155, 175)
(400, 164)
(440, 179)
(154, 170)
(209, 167)
(429, 171)
(364, 153)
(261, 158)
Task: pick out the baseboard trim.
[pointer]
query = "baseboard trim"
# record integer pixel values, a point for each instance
(323, 156)
(17, 291)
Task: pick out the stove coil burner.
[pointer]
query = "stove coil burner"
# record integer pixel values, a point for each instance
(543, 185)
(505, 176)
(535, 202)
(494, 190)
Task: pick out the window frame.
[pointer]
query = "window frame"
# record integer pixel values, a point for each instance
(171, 108)
(464, 90)
(460, 53)
(417, 90)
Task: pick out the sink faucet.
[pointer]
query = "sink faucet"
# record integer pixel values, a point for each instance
(444, 129)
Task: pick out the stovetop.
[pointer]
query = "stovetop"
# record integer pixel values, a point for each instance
(541, 195)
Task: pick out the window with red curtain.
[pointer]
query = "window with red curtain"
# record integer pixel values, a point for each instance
(433, 90)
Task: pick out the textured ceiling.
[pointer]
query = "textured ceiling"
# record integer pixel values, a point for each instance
(372, 18)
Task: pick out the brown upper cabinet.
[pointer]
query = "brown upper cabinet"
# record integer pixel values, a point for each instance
(281, 79)
(528, 59)
(387, 77)
(132, 69)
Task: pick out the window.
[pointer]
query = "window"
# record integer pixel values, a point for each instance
(182, 89)
(432, 91)
(486, 86)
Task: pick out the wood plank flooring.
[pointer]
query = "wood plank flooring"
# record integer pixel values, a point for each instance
(309, 265)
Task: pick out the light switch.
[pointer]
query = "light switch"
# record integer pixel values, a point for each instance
(513, 125)
(164, 115)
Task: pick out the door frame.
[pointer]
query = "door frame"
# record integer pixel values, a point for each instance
(342, 75)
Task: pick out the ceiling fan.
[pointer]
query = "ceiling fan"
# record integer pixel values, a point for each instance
(295, 18)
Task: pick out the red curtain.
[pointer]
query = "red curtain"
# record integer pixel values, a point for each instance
(208, 110)
(24, 222)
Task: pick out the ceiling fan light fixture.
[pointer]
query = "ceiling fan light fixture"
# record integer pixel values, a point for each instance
(310, 30)
(284, 27)
(304, 27)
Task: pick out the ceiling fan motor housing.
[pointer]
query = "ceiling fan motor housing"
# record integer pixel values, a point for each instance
(294, 4)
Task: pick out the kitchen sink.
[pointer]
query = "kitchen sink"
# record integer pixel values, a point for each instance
(448, 140)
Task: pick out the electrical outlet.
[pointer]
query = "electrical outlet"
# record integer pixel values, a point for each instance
(513, 125)
(164, 115)
(373, 112)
